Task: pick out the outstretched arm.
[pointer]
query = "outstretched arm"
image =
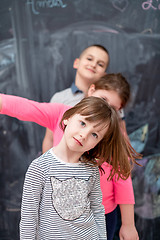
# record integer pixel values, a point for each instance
(44, 114)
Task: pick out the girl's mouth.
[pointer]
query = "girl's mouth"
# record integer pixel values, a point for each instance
(78, 141)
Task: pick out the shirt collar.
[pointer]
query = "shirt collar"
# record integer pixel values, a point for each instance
(75, 89)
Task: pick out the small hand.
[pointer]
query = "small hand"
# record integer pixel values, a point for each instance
(128, 232)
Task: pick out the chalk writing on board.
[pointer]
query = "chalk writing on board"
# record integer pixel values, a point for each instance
(149, 4)
(36, 5)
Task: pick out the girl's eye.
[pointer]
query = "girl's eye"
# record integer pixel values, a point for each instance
(82, 123)
(89, 59)
(94, 135)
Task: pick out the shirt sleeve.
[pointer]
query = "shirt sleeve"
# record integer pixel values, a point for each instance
(44, 114)
(32, 190)
(123, 189)
(97, 207)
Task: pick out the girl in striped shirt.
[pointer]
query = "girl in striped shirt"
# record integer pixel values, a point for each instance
(61, 196)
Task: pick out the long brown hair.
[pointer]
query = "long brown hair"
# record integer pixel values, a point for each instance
(113, 148)
(115, 82)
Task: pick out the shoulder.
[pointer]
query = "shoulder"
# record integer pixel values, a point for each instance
(57, 109)
(43, 163)
(67, 97)
(91, 169)
(58, 96)
(60, 93)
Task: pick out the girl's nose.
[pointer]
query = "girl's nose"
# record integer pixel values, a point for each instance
(83, 134)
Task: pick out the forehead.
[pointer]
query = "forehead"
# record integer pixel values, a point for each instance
(96, 52)
(110, 96)
(98, 125)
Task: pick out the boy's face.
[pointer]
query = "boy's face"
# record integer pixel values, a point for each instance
(92, 64)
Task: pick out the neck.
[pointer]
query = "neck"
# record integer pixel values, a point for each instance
(65, 154)
(82, 84)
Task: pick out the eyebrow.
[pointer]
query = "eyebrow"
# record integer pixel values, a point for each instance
(93, 56)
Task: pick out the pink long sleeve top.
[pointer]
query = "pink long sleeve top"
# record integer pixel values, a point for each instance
(49, 115)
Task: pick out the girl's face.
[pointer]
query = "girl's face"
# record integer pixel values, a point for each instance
(82, 135)
(110, 96)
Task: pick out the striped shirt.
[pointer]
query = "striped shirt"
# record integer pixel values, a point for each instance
(61, 201)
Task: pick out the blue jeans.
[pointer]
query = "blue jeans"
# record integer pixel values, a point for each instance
(111, 222)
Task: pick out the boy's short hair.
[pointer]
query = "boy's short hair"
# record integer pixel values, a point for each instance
(101, 47)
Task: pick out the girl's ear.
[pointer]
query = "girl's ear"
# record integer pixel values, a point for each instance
(65, 122)
(91, 90)
(76, 63)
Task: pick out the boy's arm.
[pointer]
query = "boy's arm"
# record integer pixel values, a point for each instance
(128, 230)
(31, 198)
(47, 141)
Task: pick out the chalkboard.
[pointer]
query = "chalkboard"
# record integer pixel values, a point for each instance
(39, 40)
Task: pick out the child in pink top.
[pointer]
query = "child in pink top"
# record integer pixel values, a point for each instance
(49, 115)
